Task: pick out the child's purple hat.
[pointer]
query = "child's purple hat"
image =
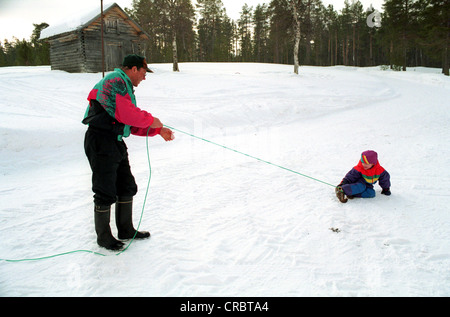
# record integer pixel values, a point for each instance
(369, 157)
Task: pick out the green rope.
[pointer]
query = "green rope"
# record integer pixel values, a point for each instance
(145, 197)
(251, 156)
(52, 256)
(148, 186)
(93, 252)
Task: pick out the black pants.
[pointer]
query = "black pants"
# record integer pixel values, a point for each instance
(111, 173)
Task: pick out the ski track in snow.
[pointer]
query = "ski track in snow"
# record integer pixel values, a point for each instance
(224, 224)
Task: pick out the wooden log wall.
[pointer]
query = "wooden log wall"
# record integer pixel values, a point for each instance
(66, 53)
(120, 39)
(80, 51)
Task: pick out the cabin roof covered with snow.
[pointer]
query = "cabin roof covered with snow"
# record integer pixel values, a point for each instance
(81, 44)
(83, 19)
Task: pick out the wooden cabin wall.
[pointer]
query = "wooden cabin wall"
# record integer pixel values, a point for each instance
(66, 53)
(80, 51)
(120, 39)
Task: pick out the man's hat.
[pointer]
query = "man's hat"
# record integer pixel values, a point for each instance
(136, 60)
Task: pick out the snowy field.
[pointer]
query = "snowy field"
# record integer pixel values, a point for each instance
(225, 224)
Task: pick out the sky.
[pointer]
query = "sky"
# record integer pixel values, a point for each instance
(17, 16)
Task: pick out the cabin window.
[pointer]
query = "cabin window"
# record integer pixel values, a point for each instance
(112, 26)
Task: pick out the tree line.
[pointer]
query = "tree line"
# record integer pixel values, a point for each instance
(406, 33)
(26, 53)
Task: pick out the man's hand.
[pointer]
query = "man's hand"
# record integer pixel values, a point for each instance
(167, 134)
(156, 124)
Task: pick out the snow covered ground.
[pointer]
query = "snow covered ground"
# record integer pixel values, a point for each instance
(225, 224)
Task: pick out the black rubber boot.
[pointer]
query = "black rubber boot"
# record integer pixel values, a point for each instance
(105, 239)
(124, 220)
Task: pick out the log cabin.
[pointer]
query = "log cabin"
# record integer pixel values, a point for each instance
(75, 45)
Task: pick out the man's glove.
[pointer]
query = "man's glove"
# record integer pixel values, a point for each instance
(386, 191)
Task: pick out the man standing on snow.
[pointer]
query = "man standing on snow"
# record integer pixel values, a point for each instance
(113, 115)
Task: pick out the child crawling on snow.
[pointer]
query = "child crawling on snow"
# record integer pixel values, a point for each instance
(361, 178)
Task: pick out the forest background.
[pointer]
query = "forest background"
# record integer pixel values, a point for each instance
(407, 33)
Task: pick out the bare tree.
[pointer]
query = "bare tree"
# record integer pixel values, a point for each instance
(171, 22)
(172, 12)
(296, 11)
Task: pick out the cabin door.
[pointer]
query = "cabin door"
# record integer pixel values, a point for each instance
(113, 55)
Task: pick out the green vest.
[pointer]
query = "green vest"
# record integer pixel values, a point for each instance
(105, 92)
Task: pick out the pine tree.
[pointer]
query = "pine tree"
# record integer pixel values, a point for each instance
(178, 15)
(170, 24)
(397, 20)
(214, 26)
(331, 30)
(24, 52)
(245, 34)
(281, 20)
(2, 56)
(41, 50)
(261, 33)
(434, 34)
